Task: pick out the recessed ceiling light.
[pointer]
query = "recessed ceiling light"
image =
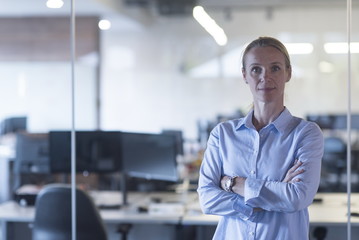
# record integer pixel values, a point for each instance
(104, 24)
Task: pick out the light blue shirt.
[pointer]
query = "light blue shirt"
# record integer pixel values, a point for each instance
(236, 148)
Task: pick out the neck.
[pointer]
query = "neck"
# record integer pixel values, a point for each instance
(265, 113)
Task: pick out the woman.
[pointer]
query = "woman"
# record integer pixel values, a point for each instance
(261, 172)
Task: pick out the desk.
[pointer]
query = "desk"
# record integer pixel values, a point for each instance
(333, 209)
(331, 212)
(11, 212)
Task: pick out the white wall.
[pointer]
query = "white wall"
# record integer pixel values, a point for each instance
(158, 90)
(154, 74)
(42, 92)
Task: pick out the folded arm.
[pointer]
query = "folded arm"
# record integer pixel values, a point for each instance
(239, 182)
(295, 191)
(213, 199)
(292, 193)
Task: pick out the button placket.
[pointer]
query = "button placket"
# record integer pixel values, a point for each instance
(251, 231)
(253, 165)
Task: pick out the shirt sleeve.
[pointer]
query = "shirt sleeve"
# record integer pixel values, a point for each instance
(212, 198)
(291, 197)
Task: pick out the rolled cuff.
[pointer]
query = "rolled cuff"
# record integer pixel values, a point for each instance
(252, 189)
(244, 211)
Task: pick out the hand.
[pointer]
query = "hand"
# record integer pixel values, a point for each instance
(293, 172)
(238, 186)
(257, 209)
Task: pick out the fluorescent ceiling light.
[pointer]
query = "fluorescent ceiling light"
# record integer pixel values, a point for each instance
(341, 47)
(299, 48)
(210, 25)
(54, 3)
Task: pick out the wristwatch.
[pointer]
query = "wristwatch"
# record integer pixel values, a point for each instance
(229, 184)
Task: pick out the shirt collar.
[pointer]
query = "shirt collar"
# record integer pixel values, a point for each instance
(246, 121)
(280, 123)
(283, 120)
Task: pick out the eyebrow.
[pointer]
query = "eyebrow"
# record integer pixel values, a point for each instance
(272, 63)
(277, 63)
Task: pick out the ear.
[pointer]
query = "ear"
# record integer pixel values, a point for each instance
(244, 75)
(289, 73)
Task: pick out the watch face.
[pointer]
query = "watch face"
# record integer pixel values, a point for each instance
(228, 184)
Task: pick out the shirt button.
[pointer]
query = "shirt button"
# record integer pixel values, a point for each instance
(253, 172)
(251, 233)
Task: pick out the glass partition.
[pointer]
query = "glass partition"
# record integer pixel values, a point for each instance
(150, 67)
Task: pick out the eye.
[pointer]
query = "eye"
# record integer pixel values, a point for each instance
(275, 68)
(256, 70)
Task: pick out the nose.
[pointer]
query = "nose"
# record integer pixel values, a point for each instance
(265, 75)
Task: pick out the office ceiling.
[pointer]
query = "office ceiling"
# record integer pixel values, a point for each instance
(173, 7)
(161, 7)
(245, 4)
(169, 8)
(151, 15)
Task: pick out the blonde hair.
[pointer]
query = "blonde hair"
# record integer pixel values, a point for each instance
(267, 42)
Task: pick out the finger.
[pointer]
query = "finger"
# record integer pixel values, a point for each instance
(291, 176)
(296, 165)
(296, 180)
(295, 173)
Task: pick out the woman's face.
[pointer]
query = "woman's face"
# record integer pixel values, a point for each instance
(266, 74)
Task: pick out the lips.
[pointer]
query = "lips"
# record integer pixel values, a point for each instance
(266, 88)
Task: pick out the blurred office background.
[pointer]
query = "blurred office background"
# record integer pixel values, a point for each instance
(148, 66)
(156, 67)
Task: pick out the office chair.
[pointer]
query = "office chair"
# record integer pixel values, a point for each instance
(53, 215)
(320, 233)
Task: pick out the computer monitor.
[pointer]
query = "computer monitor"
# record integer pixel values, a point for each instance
(150, 156)
(13, 125)
(325, 121)
(341, 121)
(96, 151)
(32, 153)
(179, 139)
